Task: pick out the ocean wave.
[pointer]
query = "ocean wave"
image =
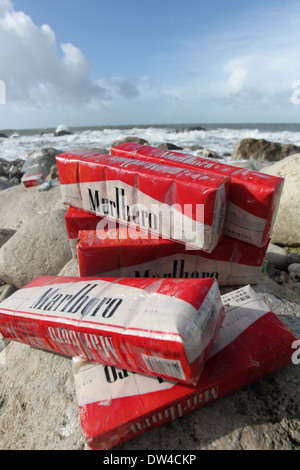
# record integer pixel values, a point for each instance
(219, 138)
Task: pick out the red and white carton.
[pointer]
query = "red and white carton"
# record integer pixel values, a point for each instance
(129, 253)
(254, 196)
(187, 206)
(33, 180)
(160, 327)
(77, 220)
(116, 405)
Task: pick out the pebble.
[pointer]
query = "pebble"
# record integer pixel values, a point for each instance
(293, 258)
(6, 291)
(294, 268)
(296, 287)
(277, 256)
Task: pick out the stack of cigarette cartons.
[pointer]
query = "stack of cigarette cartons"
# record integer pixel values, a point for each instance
(155, 235)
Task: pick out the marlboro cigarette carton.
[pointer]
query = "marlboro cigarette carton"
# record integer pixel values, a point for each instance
(116, 405)
(33, 180)
(129, 253)
(184, 205)
(254, 196)
(160, 327)
(77, 220)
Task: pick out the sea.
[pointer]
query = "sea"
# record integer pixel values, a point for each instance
(220, 138)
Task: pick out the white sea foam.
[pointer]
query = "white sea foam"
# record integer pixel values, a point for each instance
(219, 138)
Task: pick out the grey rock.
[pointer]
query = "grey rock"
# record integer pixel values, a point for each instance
(54, 172)
(71, 269)
(39, 248)
(14, 181)
(277, 256)
(294, 277)
(192, 148)
(39, 409)
(3, 136)
(134, 140)
(43, 159)
(169, 146)
(62, 133)
(286, 231)
(4, 183)
(211, 154)
(5, 235)
(189, 129)
(262, 149)
(19, 204)
(274, 273)
(294, 268)
(93, 149)
(296, 287)
(293, 258)
(6, 291)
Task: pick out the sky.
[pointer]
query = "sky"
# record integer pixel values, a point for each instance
(161, 62)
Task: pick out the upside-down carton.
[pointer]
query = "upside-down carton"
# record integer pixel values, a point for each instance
(254, 196)
(184, 205)
(129, 253)
(160, 327)
(116, 405)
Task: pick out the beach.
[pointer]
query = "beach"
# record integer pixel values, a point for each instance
(38, 405)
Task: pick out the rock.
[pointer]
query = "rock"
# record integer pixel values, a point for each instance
(71, 269)
(274, 273)
(12, 171)
(6, 291)
(54, 172)
(296, 288)
(134, 140)
(4, 183)
(62, 130)
(41, 160)
(39, 409)
(294, 268)
(294, 277)
(206, 153)
(39, 248)
(19, 204)
(192, 148)
(293, 258)
(62, 133)
(2, 170)
(286, 230)
(276, 256)
(92, 149)
(169, 146)
(3, 136)
(5, 235)
(262, 149)
(189, 129)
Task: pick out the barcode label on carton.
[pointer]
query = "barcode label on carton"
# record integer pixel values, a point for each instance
(163, 366)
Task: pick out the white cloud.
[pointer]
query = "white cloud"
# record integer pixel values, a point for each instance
(40, 73)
